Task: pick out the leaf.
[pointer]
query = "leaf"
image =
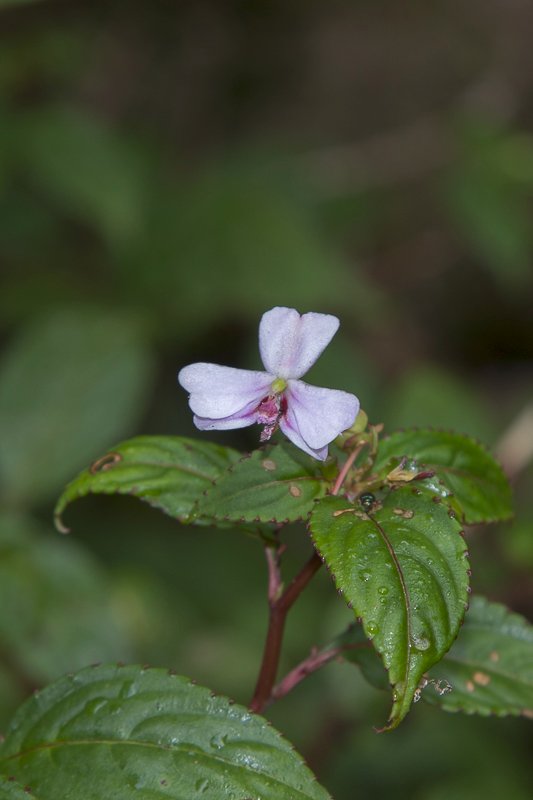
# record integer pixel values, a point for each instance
(490, 666)
(276, 484)
(57, 606)
(9, 790)
(477, 481)
(167, 472)
(125, 732)
(87, 168)
(70, 384)
(356, 648)
(403, 569)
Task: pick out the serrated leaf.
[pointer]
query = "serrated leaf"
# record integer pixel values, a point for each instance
(167, 472)
(127, 732)
(403, 570)
(490, 666)
(276, 484)
(475, 478)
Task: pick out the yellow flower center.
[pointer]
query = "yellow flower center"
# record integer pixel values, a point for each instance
(278, 386)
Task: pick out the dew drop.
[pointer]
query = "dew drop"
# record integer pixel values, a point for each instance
(372, 628)
(218, 741)
(383, 590)
(365, 576)
(420, 642)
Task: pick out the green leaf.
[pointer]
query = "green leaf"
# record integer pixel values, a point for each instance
(490, 666)
(70, 384)
(356, 648)
(88, 169)
(276, 484)
(168, 472)
(403, 569)
(478, 483)
(58, 610)
(9, 790)
(126, 732)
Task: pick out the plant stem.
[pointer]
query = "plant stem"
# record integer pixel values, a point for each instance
(279, 604)
(276, 625)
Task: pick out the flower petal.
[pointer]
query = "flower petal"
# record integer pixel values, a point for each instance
(247, 416)
(290, 344)
(295, 437)
(218, 392)
(318, 414)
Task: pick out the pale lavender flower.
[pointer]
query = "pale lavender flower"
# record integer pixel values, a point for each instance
(222, 398)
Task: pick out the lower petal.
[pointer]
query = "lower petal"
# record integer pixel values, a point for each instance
(319, 415)
(241, 419)
(293, 434)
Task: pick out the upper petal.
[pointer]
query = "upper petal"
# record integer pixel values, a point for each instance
(319, 414)
(217, 392)
(290, 344)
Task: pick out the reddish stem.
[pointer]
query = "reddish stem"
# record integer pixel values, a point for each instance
(280, 603)
(276, 625)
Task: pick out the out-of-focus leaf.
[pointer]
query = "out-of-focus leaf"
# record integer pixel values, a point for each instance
(275, 484)
(356, 648)
(233, 238)
(69, 385)
(10, 790)
(403, 569)
(430, 396)
(487, 195)
(126, 732)
(478, 483)
(490, 666)
(91, 171)
(56, 606)
(168, 472)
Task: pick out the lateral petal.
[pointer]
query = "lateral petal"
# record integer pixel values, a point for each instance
(318, 414)
(217, 392)
(290, 344)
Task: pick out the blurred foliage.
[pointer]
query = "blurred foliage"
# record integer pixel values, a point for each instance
(167, 173)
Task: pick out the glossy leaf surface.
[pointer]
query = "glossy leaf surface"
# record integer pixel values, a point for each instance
(168, 472)
(490, 666)
(127, 732)
(403, 569)
(476, 480)
(275, 484)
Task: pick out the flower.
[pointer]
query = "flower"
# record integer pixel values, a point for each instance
(223, 398)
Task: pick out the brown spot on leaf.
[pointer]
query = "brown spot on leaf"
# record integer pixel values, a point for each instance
(268, 464)
(494, 656)
(294, 490)
(470, 686)
(527, 712)
(481, 678)
(104, 463)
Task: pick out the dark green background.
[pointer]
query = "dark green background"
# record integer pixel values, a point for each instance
(169, 171)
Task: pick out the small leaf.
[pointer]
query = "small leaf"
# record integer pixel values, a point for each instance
(275, 484)
(479, 485)
(402, 568)
(490, 666)
(126, 732)
(167, 472)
